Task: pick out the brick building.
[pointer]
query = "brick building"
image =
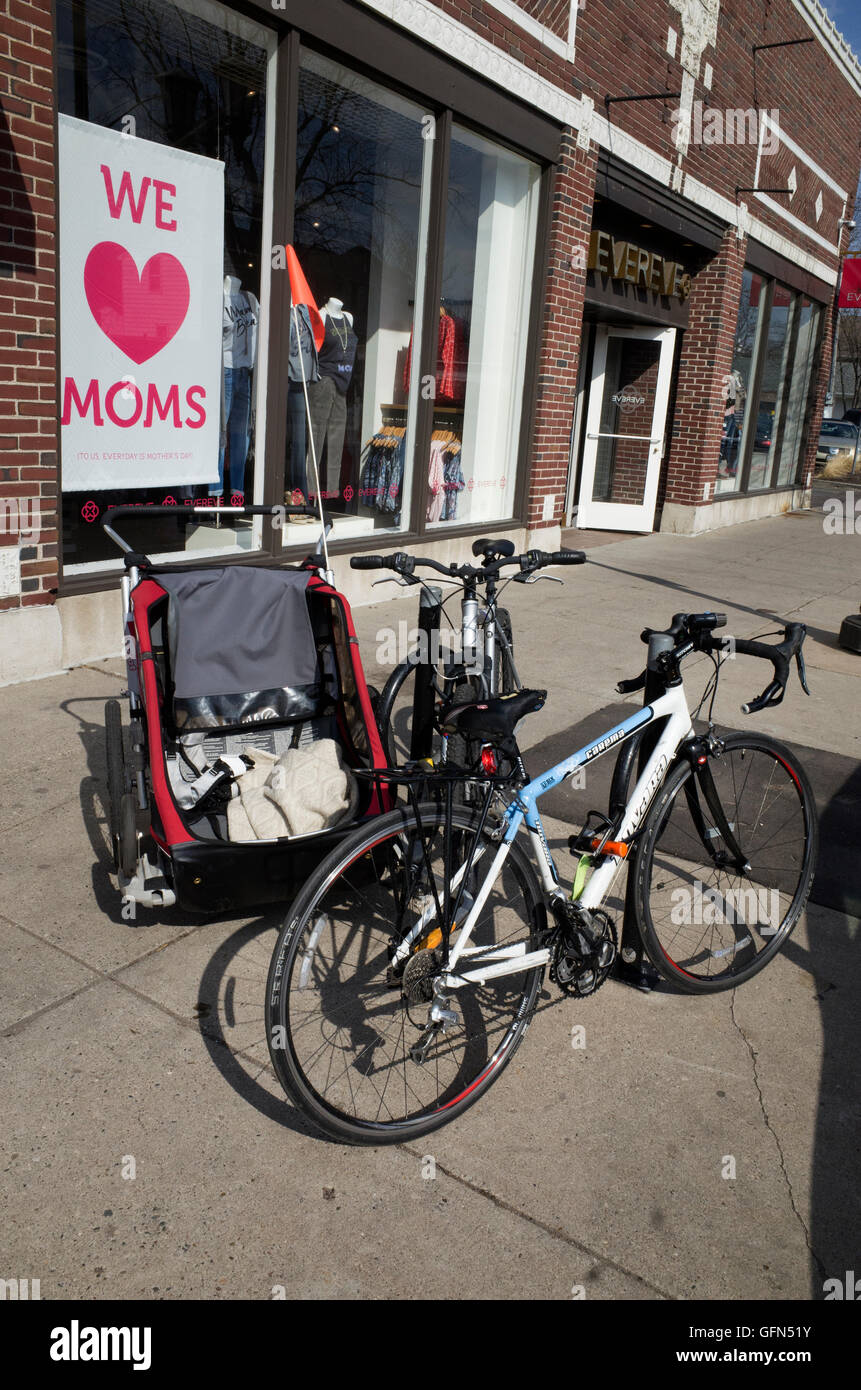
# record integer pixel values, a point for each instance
(578, 261)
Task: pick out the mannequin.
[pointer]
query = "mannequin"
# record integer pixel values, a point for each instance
(736, 393)
(327, 397)
(240, 317)
(303, 361)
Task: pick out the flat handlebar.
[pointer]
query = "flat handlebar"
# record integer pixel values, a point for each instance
(405, 564)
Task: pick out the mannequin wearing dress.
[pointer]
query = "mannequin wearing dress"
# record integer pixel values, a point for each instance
(327, 397)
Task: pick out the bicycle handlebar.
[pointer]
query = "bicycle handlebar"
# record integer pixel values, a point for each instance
(779, 654)
(183, 513)
(692, 632)
(405, 564)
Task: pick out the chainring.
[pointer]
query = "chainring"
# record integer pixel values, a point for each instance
(574, 969)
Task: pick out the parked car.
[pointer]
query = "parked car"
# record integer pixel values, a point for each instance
(764, 426)
(837, 451)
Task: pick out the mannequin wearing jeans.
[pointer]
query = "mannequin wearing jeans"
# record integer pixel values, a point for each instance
(240, 318)
(327, 397)
(303, 362)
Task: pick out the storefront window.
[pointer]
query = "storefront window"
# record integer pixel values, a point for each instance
(362, 189)
(736, 409)
(484, 311)
(771, 388)
(798, 392)
(169, 107)
(775, 343)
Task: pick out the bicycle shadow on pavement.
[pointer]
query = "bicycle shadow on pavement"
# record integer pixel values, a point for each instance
(833, 963)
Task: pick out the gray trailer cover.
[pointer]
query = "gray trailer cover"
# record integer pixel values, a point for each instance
(241, 647)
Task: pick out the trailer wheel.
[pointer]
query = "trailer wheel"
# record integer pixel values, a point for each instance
(128, 851)
(116, 770)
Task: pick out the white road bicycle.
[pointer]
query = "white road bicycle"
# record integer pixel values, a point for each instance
(409, 967)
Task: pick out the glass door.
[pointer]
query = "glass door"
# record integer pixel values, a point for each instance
(625, 424)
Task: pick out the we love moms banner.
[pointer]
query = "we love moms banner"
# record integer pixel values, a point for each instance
(141, 295)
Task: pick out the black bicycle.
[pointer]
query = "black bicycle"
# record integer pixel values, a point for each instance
(474, 661)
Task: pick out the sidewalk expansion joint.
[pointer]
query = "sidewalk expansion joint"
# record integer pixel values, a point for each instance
(773, 1132)
(99, 976)
(555, 1232)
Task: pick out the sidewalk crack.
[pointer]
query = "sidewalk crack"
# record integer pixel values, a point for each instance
(775, 1136)
(555, 1232)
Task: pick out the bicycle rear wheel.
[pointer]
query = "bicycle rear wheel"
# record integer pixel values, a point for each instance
(706, 924)
(343, 1026)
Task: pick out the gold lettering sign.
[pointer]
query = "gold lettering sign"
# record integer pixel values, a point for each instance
(624, 260)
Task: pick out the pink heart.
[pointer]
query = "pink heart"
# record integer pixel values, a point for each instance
(140, 313)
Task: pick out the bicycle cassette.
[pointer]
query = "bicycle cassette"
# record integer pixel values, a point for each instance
(578, 966)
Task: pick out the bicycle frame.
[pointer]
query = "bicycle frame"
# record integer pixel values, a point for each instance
(509, 960)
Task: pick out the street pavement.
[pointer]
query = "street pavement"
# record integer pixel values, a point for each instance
(148, 1152)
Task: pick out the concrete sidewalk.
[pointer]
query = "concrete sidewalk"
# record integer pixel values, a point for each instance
(140, 1048)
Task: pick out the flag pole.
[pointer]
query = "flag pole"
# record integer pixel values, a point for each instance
(330, 578)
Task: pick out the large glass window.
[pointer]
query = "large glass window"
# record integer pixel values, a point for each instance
(737, 400)
(768, 388)
(484, 310)
(362, 205)
(191, 79)
(789, 449)
(775, 357)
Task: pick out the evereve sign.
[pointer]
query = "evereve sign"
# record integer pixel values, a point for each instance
(141, 289)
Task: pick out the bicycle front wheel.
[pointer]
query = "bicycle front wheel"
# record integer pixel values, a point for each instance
(706, 923)
(395, 716)
(349, 1033)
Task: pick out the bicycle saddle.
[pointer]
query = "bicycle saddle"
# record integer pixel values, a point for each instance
(493, 550)
(492, 719)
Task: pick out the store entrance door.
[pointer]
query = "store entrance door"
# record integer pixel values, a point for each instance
(626, 419)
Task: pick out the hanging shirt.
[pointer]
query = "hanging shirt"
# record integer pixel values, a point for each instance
(303, 349)
(239, 321)
(338, 352)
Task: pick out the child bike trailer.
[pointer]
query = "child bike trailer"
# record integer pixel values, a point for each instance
(248, 717)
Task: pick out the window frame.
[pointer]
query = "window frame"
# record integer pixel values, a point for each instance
(746, 449)
(367, 45)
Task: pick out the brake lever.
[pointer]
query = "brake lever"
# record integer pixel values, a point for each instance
(403, 579)
(533, 578)
(802, 671)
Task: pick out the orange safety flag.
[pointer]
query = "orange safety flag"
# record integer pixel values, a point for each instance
(301, 294)
(850, 285)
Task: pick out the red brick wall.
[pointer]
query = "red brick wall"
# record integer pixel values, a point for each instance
(563, 315)
(621, 50)
(28, 415)
(706, 359)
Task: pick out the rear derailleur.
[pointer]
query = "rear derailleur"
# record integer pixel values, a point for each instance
(583, 947)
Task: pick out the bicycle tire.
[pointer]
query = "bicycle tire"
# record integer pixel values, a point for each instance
(360, 1009)
(716, 946)
(394, 712)
(508, 684)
